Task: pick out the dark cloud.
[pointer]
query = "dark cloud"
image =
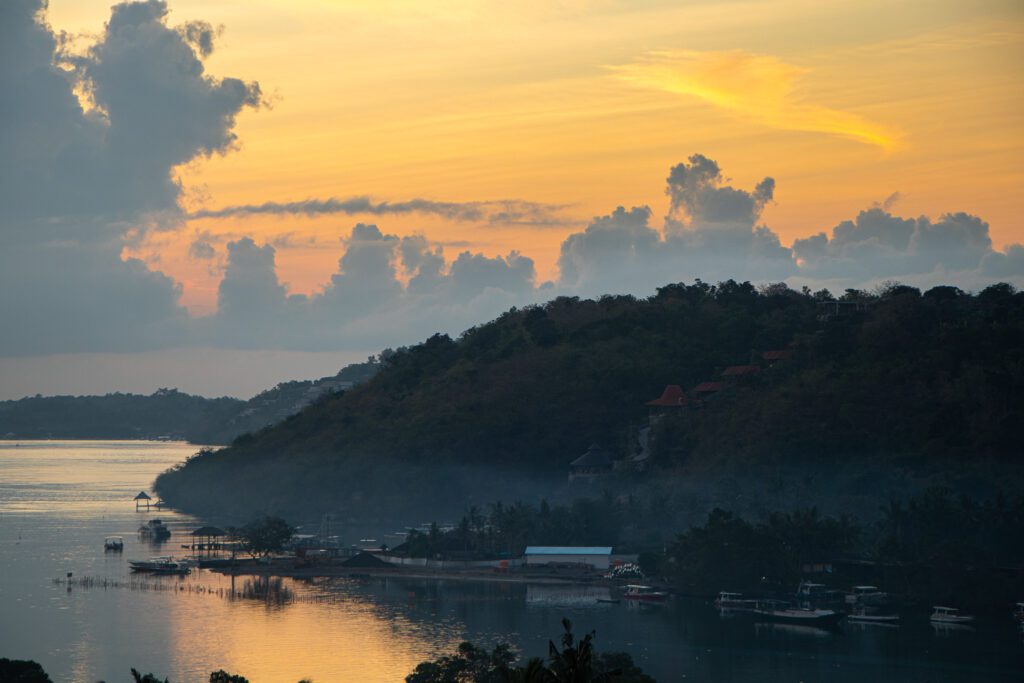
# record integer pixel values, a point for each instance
(496, 212)
(77, 184)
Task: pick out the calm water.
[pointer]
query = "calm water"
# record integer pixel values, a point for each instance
(59, 499)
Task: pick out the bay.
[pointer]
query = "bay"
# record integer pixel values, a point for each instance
(58, 500)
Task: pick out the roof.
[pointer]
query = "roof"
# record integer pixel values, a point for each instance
(776, 355)
(594, 457)
(734, 370)
(209, 531)
(709, 387)
(672, 396)
(567, 550)
(142, 496)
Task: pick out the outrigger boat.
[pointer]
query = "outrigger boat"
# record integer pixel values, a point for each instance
(866, 596)
(774, 610)
(949, 615)
(644, 594)
(161, 565)
(733, 601)
(863, 616)
(113, 544)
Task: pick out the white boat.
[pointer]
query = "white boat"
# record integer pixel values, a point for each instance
(949, 615)
(644, 594)
(113, 543)
(773, 610)
(867, 596)
(866, 617)
(161, 565)
(733, 601)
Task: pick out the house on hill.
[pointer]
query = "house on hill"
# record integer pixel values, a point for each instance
(593, 464)
(706, 390)
(774, 356)
(672, 397)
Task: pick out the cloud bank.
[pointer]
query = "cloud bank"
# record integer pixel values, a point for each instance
(77, 181)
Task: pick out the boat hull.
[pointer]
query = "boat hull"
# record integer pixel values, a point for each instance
(810, 618)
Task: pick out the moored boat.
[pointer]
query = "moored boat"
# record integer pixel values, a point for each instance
(866, 617)
(949, 615)
(155, 529)
(733, 601)
(644, 594)
(773, 610)
(1018, 612)
(113, 544)
(866, 596)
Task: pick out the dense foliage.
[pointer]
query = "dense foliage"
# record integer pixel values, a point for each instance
(574, 661)
(891, 375)
(22, 671)
(934, 549)
(265, 536)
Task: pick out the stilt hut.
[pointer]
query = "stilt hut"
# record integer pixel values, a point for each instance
(143, 496)
(205, 538)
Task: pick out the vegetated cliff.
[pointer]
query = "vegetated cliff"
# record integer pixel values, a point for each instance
(167, 412)
(500, 412)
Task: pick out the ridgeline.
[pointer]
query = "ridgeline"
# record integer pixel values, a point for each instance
(167, 412)
(891, 379)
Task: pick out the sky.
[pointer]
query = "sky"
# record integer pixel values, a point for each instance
(221, 195)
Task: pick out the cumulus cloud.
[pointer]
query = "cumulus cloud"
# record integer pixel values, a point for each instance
(711, 229)
(879, 244)
(75, 182)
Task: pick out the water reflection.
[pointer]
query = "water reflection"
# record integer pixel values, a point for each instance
(58, 502)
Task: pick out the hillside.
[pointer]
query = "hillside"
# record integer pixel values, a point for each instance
(167, 412)
(501, 411)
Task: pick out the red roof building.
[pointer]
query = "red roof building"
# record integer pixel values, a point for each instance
(708, 387)
(776, 355)
(672, 397)
(740, 370)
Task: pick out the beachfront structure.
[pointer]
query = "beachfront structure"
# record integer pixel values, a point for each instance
(594, 557)
(595, 463)
(143, 497)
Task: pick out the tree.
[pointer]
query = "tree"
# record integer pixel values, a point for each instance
(266, 535)
(148, 678)
(222, 676)
(22, 671)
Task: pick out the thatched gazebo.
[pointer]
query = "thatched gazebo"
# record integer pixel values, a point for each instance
(143, 496)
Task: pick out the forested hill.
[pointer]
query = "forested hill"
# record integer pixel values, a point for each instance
(167, 412)
(893, 374)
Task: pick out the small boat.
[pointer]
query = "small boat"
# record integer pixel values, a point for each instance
(155, 529)
(175, 568)
(733, 601)
(644, 594)
(159, 564)
(949, 615)
(810, 594)
(113, 544)
(866, 596)
(866, 617)
(773, 610)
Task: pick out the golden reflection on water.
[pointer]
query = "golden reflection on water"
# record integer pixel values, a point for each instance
(281, 644)
(72, 493)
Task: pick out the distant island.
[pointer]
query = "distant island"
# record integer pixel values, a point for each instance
(168, 413)
(751, 399)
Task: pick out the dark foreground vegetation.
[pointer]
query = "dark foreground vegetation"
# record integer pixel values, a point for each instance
(166, 412)
(574, 661)
(865, 384)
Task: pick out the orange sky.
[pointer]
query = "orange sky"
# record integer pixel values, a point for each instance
(588, 104)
